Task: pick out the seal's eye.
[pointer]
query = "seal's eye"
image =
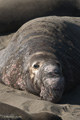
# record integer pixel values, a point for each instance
(36, 66)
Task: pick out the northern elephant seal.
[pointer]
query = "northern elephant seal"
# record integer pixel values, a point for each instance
(8, 112)
(43, 57)
(14, 13)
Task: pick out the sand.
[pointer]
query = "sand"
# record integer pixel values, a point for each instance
(68, 108)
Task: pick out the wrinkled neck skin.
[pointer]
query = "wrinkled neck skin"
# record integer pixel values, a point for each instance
(46, 79)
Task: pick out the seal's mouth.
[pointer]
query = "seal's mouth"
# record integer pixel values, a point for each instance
(52, 89)
(51, 94)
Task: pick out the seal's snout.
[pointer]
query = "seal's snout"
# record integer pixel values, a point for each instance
(53, 83)
(52, 90)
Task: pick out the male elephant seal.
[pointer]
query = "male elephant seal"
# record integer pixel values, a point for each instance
(43, 57)
(14, 13)
(8, 112)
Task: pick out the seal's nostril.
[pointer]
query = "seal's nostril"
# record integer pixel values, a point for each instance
(51, 73)
(56, 71)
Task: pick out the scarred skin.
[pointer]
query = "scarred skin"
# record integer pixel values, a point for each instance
(40, 58)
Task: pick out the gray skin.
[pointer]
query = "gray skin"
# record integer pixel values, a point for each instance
(8, 112)
(43, 57)
(14, 13)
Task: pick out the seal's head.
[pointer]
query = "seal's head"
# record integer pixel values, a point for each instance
(53, 82)
(47, 78)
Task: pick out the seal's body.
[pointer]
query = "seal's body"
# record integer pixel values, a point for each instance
(43, 57)
(14, 13)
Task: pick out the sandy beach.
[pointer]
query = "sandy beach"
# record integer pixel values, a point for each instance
(67, 109)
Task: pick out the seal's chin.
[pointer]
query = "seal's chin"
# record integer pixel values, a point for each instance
(51, 94)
